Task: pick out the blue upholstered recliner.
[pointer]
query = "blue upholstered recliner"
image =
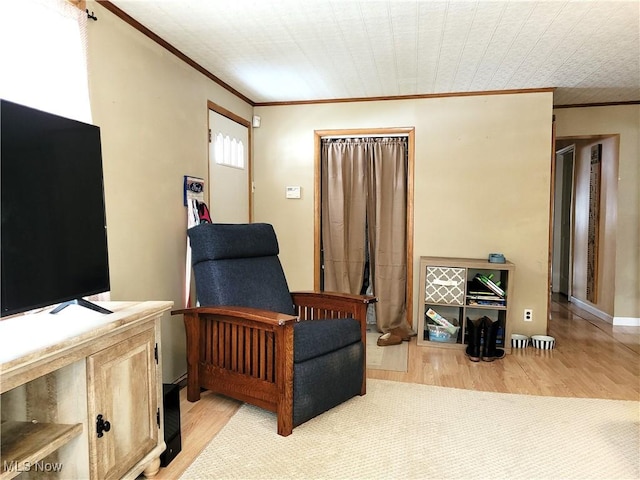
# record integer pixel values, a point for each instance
(297, 354)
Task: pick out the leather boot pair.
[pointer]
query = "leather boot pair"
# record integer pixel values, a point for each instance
(483, 331)
(474, 329)
(489, 350)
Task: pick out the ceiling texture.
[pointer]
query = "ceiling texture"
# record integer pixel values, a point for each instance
(282, 51)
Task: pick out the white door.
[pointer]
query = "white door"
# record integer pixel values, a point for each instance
(228, 170)
(566, 224)
(562, 222)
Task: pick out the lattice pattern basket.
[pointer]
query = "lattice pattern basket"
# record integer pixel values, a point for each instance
(445, 285)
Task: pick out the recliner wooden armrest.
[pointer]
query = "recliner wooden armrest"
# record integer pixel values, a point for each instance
(312, 305)
(244, 313)
(215, 338)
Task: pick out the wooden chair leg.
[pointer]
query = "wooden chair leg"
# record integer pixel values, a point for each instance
(192, 330)
(285, 426)
(193, 387)
(284, 366)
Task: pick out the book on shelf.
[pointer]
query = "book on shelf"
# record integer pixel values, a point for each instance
(491, 285)
(486, 299)
(475, 287)
(443, 322)
(483, 296)
(487, 303)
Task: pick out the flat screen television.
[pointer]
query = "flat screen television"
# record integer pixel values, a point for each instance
(53, 225)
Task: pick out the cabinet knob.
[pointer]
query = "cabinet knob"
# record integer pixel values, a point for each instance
(102, 425)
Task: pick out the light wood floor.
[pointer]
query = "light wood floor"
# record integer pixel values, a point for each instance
(592, 359)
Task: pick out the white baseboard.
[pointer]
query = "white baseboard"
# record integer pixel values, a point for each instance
(592, 310)
(615, 321)
(626, 322)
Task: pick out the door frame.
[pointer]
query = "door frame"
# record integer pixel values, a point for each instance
(565, 208)
(245, 123)
(409, 132)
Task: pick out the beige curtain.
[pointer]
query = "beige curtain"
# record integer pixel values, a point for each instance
(344, 206)
(387, 222)
(364, 186)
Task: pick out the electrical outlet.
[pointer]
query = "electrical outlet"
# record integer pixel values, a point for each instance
(528, 315)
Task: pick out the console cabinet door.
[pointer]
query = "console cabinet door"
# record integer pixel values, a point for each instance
(122, 387)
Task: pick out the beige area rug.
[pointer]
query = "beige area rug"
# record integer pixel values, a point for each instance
(392, 357)
(407, 431)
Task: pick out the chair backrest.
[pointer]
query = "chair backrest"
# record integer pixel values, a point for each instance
(238, 265)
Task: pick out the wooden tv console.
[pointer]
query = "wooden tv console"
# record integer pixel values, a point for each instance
(81, 392)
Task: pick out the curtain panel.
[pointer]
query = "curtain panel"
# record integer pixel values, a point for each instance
(364, 201)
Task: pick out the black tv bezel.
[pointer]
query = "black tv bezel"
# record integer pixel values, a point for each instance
(64, 294)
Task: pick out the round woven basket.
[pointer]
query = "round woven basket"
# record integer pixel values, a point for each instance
(543, 342)
(519, 341)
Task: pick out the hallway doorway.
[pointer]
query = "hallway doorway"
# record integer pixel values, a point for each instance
(575, 245)
(366, 239)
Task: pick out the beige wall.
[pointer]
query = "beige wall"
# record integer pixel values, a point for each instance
(482, 182)
(152, 110)
(622, 120)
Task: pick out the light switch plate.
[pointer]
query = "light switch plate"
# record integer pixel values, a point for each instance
(293, 192)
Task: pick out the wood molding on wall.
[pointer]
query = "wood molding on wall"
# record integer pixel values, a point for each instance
(163, 43)
(407, 97)
(81, 4)
(602, 104)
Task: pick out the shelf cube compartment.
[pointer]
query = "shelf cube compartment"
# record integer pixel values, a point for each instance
(495, 315)
(445, 285)
(435, 332)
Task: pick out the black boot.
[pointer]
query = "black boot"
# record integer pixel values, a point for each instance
(474, 329)
(489, 350)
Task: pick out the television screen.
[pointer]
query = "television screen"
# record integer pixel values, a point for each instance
(53, 231)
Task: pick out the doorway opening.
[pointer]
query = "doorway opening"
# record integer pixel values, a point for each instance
(575, 245)
(370, 228)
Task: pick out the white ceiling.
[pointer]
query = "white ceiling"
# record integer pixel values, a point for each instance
(301, 50)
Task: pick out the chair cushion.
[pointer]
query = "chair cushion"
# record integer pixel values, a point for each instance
(326, 381)
(245, 282)
(312, 338)
(218, 241)
(238, 265)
